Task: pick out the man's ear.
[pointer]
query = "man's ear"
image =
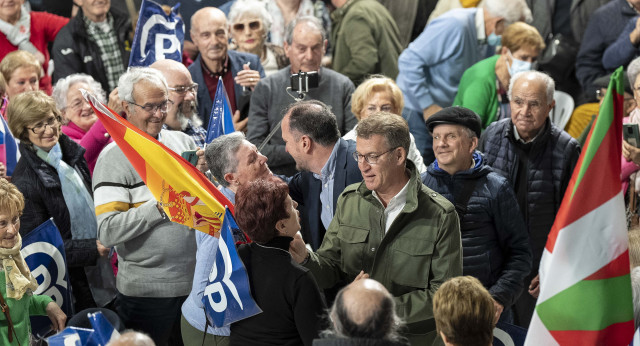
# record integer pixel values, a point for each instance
(399, 153)
(474, 144)
(287, 48)
(230, 178)
(551, 105)
(125, 107)
(306, 143)
(324, 47)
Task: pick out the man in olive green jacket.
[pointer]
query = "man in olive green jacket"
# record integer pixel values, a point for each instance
(365, 40)
(390, 228)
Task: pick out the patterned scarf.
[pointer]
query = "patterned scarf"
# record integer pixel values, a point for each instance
(20, 33)
(16, 273)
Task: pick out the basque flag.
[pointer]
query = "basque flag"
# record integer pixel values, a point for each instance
(227, 296)
(43, 250)
(221, 119)
(8, 148)
(158, 35)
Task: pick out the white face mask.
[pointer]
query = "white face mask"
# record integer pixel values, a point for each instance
(518, 65)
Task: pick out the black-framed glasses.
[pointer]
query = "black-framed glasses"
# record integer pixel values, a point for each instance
(153, 108)
(40, 127)
(371, 159)
(253, 25)
(183, 89)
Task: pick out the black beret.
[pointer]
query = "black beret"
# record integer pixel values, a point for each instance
(457, 116)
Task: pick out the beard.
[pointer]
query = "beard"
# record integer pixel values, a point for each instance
(190, 114)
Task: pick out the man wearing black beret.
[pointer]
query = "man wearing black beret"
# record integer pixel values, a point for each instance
(495, 242)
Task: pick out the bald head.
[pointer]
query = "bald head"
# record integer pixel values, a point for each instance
(210, 33)
(207, 14)
(365, 309)
(132, 338)
(168, 66)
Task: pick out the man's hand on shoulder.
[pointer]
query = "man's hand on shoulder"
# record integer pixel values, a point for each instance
(297, 249)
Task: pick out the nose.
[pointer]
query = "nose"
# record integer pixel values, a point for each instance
(295, 204)
(30, 87)
(190, 95)
(263, 159)
(363, 164)
(13, 228)
(308, 54)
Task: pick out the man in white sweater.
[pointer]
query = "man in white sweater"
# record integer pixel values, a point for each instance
(156, 257)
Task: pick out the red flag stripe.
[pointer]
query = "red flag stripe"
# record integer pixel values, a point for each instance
(615, 334)
(617, 267)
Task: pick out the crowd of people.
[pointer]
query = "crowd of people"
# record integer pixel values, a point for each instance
(405, 198)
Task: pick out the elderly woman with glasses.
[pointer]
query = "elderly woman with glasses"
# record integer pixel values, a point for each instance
(80, 123)
(381, 94)
(291, 303)
(16, 283)
(53, 176)
(249, 25)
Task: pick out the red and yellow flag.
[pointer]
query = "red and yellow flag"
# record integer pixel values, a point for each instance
(187, 196)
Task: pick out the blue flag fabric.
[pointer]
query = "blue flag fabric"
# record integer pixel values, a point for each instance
(158, 36)
(100, 335)
(71, 336)
(10, 147)
(43, 250)
(227, 296)
(103, 331)
(221, 119)
(506, 334)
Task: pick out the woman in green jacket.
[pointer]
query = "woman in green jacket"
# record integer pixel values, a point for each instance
(484, 86)
(16, 282)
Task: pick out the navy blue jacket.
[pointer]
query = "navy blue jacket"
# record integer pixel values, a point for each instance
(605, 26)
(549, 165)
(495, 243)
(236, 60)
(305, 189)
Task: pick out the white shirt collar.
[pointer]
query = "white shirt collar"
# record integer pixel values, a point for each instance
(482, 36)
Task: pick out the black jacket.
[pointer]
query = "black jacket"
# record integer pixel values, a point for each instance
(549, 162)
(292, 307)
(495, 243)
(74, 52)
(39, 183)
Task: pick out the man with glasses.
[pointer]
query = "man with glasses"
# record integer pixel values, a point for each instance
(240, 72)
(390, 228)
(156, 256)
(183, 114)
(311, 136)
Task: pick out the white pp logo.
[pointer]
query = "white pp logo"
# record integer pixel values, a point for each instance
(160, 51)
(216, 286)
(46, 287)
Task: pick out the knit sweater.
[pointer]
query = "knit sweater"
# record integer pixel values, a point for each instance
(156, 257)
(477, 90)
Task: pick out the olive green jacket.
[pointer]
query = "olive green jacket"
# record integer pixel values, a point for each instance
(365, 41)
(421, 250)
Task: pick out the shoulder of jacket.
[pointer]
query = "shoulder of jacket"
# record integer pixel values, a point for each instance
(439, 201)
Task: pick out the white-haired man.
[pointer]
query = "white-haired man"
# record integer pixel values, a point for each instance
(538, 159)
(156, 257)
(432, 65)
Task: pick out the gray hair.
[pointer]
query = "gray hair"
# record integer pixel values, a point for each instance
(131, 338)
(309, 21)
(61, 88)
(633, 70)
(221, 155)
(137, 74)
(243, 8)
(511, 10)
(550, 85)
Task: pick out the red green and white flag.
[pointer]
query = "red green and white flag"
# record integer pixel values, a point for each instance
(585, 287)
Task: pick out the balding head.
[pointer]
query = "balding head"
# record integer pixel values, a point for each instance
(365, 309)
(132, 338)
(209, 32)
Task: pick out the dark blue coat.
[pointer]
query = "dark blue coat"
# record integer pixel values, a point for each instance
(549, 165)
(236, 60)
(305, 189)
(495, 243)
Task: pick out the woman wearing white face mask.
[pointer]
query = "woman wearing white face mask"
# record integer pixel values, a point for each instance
(483, 87)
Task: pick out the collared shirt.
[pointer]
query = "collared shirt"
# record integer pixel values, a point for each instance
(327, 174)
(211, 80)
(518, 138)
(482, 35)
(395, 206)
(105, 37)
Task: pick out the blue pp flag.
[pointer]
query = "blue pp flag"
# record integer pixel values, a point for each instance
(71, 336)
(103, 331)
(158, 35)
(43, 250)
(8, 148)
(221, 119)
(227, 296)
(506, 334)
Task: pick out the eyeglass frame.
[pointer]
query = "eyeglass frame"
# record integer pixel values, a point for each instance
(168, 103)
(191, 88)
(356, 156)
(10, 222)
(233, 26)
(44, 125)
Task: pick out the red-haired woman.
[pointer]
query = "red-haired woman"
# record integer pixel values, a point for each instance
(285, 291)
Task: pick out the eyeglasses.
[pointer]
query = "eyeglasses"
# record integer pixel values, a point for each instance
(42, 126)
(371, 159)
(183, 89)
(253, 25)
(152, 109)
(4, 224)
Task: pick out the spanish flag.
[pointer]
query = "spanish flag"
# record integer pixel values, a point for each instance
(186, 195)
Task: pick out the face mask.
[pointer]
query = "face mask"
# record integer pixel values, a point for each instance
(518, 65)
(494, 40)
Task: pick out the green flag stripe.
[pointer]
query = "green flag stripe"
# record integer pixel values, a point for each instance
(576, 308)
(601, 126)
